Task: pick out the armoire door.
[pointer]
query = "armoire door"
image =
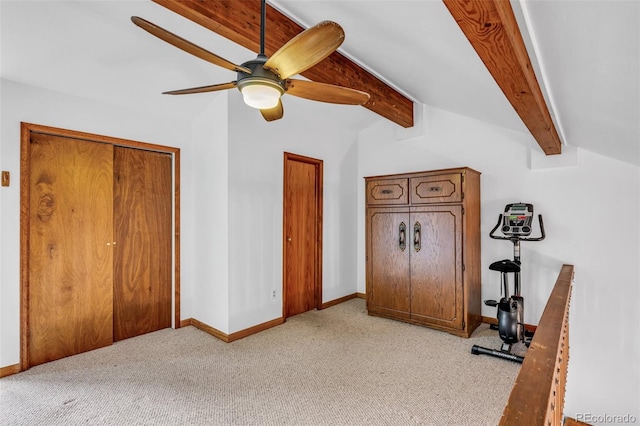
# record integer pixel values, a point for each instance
(70, 251)
(388, 257)
(142, 231)
(436, 265)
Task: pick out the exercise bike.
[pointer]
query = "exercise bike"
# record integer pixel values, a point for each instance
(516, 221)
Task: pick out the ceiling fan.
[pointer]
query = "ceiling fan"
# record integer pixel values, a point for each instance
(262, 81)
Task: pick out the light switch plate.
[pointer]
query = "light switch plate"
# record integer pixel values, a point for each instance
(6, 177)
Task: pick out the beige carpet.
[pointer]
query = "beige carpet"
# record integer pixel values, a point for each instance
(337, 366)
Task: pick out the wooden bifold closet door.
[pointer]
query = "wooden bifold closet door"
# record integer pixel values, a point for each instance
(100, 245)
(70, 251)
(142, 230)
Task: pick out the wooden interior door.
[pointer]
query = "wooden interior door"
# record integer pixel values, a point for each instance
(143, 249)
(436, 265)
(302, 246)
(70, 275)
(388, 255)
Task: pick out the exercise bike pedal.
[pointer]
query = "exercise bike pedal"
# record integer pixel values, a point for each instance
(491, 302)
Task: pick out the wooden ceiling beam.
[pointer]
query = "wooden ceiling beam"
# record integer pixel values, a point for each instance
(492, 29)
(239, 21)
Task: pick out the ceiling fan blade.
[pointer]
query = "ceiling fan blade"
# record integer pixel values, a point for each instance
(274, 113)
(326, 92)
(202, 89)
(306, 49)
(186, 45)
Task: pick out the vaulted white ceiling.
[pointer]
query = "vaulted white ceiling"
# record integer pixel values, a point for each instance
(586, 55)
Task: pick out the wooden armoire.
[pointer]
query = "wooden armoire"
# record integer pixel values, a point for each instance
(423, 248)
(97, 241)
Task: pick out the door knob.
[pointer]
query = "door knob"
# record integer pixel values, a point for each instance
(288, 238)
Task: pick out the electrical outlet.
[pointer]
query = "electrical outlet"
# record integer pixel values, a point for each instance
(273, 294)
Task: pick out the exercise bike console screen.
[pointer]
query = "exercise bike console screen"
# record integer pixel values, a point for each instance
(516, 219)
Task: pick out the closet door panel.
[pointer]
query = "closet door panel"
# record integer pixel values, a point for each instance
(70, 252)
(143, 251)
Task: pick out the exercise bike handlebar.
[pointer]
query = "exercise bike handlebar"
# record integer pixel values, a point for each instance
(497, 237)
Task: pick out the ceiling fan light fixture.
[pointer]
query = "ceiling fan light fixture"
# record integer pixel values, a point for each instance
(260, 95)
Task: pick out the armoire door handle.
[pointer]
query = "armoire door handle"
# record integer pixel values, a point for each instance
(403, 236)
(416, 236)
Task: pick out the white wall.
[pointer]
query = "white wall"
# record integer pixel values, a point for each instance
(256, 150)
(206, 218)
(590, 211)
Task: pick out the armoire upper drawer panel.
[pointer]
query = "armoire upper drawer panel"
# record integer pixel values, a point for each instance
(436, 189)
(388, 191)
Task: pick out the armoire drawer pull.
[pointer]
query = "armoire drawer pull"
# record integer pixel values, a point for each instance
(386, 191)
(435, 188)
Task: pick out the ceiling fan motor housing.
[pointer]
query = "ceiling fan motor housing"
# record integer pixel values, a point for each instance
(259, 75)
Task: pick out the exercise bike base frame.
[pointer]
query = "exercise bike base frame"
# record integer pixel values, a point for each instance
(479, 350)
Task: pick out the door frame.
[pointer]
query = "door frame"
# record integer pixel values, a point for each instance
(26, 129)
(317, 285)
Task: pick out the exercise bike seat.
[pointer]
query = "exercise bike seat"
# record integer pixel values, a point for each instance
(506, 265)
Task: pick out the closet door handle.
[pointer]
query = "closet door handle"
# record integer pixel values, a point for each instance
(416, 236)
(403, 236)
